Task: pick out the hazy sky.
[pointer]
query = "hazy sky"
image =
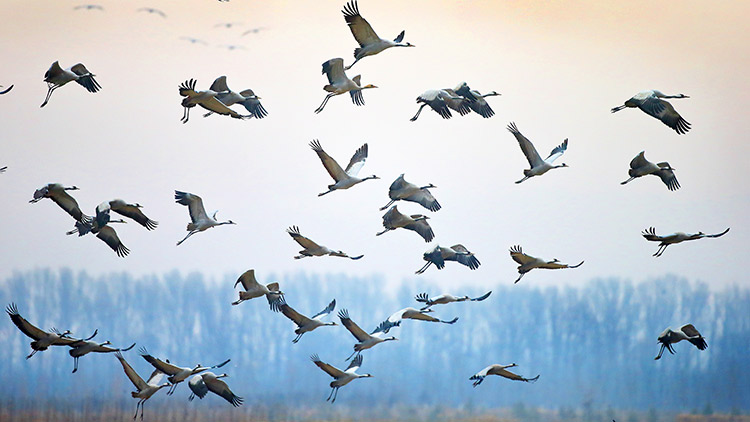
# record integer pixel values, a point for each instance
(560, 66)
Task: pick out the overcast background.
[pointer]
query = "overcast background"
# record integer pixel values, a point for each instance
(560, 67)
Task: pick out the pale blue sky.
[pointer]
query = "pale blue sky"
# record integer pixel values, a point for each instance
(560, 67)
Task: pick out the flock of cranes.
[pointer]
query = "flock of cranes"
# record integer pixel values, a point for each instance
(218, 99)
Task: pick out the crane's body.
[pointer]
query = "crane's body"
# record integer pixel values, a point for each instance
(339, 83)
(457, 253)
(640, 166)
(305, 324)
(401, 190)
(340, 378)
(200, 221)
(393, 220)
(500, 370)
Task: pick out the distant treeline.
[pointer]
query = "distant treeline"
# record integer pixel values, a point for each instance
(593, 346)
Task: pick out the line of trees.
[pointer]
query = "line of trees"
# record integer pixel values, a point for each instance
(593, 346)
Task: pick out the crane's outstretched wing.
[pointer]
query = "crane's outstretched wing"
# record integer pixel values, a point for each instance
(354, 364)
(302, 240)
(134, 212)
(353, 328)
(109, 236)
(334, 69)
(526, 146)
(517, 254)
(194, 204)
(85, 78)
(465, 257)
(422, 227)
(361, 29)
(328, 309)
(162, 366)
(248, 280)
(330, 370)
(694, 336)
(667, 176)
(290, 313)
(130, 372)
(663, 110)
(557, 152)
(333, 168)
(220, 84)
(357, 161)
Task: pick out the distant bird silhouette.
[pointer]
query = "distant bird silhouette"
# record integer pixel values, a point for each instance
(227, 25)
(201, 384)
(42, 339)
(5, 91)
(394, 320)
(538, 166)
(475, 100)
(500, 370)
(312, 248)
(438, 100)
(528, 262)
(84, 347)
(339, 83)
(344, 179)
(175, 373)
(640, 166)
(369, 42)
(57, 193)
(651, 102)
(247, 98)
(393, 220)
(446, 298)
(669, 337)
(457, 253)
(305, 324)
(89, 7)
(253, 30)
(145, 389)
(153, 11)
(57, 77)
(254, 289)
(232, 47)
(670, 239)
(192, 40)
(206, 99)
(402, 190)
(365, 341)
(341, 378)
(2, 169)
(200, 221)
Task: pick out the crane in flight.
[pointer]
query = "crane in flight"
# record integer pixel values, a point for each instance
(199, 220)
(538, 166)
(528, 262)
(687, 332)
(369, 42)
(254, 289)
(500, 370)
(393, 220)
(312, 248)
(671, 239)
(341, 378)
(344, 179)
(57, 77)
(400, 189)
(640, 166)
(339, 83)
(145, 389)
(457, 253)
(446, 298)
(42, 340)
(653, 103)
(305, 324)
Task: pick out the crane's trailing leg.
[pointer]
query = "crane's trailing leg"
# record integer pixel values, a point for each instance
(50, 88)
(424, 268)
(323, 104)
(387, 205)
(522, 180)
(414, 119)
(384, 231)
(188, 235)
(622, 183)
(618, 108)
